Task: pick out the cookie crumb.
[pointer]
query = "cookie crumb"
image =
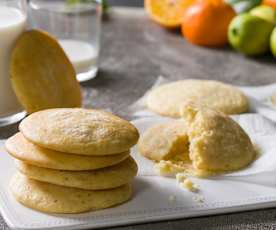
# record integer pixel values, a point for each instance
(166, 168)
(162, 168)
(189, 185)
(180, 177)
(198, 199)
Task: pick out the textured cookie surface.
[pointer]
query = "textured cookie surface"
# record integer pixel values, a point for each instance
(165, 141)
(79, 131)
(20, 148)
(204, 142)
(217, 143)
(106, 178)
(168, 99)
(51, 198)
(41, 74)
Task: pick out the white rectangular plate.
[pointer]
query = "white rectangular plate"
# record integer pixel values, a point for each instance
(151, 202)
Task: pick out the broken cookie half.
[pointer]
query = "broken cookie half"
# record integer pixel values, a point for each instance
(204, 142)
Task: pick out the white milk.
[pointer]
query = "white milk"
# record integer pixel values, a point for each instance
(82, 54)
(12, 23)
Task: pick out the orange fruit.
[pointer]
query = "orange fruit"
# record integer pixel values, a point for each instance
(271, 3)
(206, 22)
(167, 13)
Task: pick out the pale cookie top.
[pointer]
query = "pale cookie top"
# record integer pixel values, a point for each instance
(168, 99)
(217, 143)
(20, 148)
(79, 131)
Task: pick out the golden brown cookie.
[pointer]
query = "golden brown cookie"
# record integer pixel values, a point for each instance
(217, 142)
(41, 74)
(207, 142)
(20, 148)
(52, 198)
(165, 141)
(80, 131)
(106, 178)
(168, 99)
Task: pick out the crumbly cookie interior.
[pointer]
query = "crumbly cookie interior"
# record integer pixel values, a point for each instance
(216, 145)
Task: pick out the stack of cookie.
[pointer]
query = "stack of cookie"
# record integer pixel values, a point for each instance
(73, 160)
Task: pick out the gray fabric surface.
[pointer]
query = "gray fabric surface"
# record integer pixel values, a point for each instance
(135, 51)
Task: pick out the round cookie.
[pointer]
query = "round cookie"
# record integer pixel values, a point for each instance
(52, 198)
(41, 74)
(79, 131)
(165, 141)
(217, 143)
(168, 99)
(106, 178)
(22, 149)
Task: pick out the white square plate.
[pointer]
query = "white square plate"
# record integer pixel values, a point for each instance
(151, 201)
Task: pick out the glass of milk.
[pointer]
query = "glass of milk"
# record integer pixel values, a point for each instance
(13, 16)
(77, 26)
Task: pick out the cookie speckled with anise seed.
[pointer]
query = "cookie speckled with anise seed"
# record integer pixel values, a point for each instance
(165, 141)
(80, 131)
(41, 74)
(217, 142)
(22, 149)
(105, 178)
(52, 198)
(168, 99)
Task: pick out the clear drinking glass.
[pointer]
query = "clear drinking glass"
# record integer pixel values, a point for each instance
(13, 21)
(77, 26)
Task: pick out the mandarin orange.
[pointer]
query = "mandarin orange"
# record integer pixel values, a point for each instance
(206, 22)
(271, 3)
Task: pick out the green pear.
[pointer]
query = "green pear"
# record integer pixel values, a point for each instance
(265, 12)
(249, 34)
(273, 42)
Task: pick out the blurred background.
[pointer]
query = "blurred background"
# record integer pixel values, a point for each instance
(126, 2)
